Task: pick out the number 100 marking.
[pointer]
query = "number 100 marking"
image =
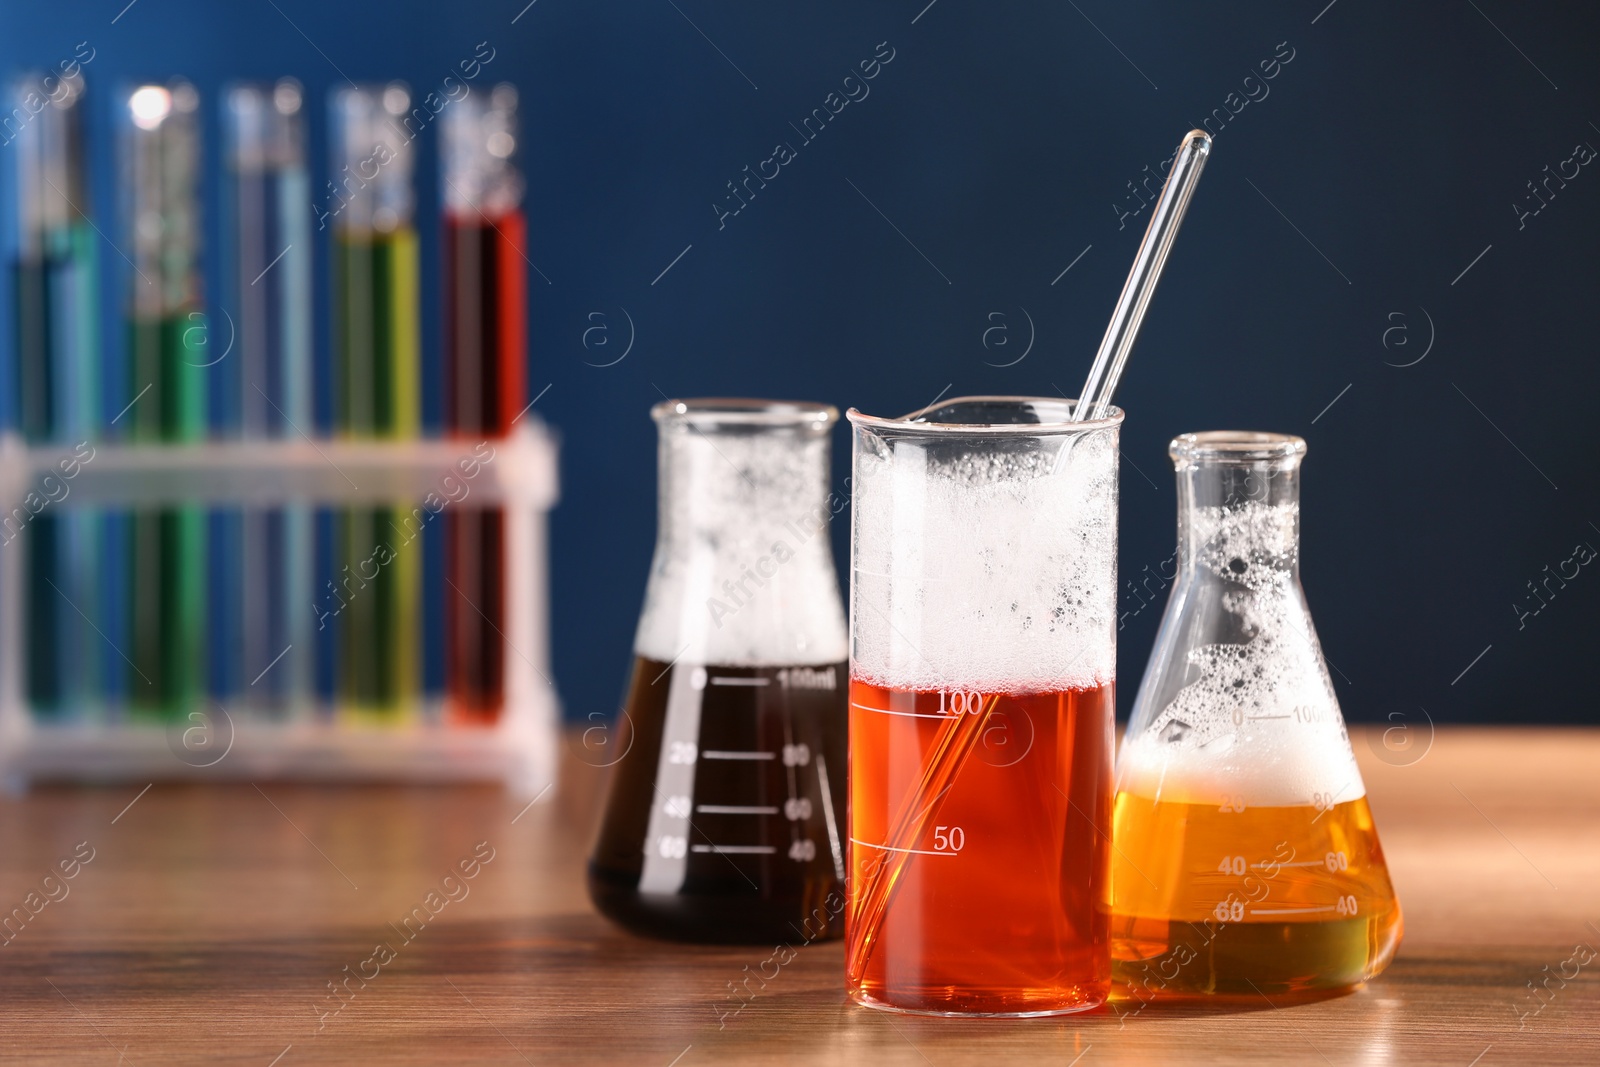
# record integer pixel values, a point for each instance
(960, 702)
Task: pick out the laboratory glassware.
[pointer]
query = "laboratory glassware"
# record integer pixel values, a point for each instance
(377, 383)
(485, 376)
(55, 305)
(168, 350)
(724, 818)
(1247, 861)
(269, 242)
(982, 665)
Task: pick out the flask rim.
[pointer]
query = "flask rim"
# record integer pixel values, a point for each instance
(711, 412)
(1235, 446)
(1059, 409)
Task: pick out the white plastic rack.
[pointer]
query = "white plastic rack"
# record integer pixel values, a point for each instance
(302, 742)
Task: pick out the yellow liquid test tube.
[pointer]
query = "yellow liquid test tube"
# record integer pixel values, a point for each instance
(377, 366)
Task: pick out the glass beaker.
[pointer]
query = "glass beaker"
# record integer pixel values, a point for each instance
(982, 662)
(1246, 860)
(723, 818)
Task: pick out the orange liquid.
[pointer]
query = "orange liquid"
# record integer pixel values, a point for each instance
(1000, 907)
(1209, 899)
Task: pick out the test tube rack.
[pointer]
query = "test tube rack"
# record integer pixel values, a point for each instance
(303, 743)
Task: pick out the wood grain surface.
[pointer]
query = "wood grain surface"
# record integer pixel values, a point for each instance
(208, 923)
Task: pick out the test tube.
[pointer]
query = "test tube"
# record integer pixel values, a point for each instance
(377, 379)
(270, 235)
(485, 353)
(54, 292)
(167, 353)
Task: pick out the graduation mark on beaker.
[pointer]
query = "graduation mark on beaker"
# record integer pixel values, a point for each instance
(736, 850)
(903, 714)
(946, 851)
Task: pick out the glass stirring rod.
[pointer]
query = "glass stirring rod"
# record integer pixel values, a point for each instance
(1095, 398)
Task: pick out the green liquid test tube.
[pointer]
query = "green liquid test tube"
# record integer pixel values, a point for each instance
(377, 381)
(167, 355)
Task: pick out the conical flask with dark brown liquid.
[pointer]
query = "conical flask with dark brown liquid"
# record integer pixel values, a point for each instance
(1246, 859)
(725, 813)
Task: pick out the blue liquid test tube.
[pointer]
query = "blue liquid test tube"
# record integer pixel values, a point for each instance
(269, 566)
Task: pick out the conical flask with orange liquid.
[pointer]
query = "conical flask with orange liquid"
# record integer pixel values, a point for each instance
(1246, 859)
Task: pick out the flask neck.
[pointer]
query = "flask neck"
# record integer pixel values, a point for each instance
(743, 574)
(1239, 514)
(714, 482)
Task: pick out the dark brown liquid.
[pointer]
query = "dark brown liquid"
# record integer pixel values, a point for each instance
(474, 613)
(485, 349)
(726, 819)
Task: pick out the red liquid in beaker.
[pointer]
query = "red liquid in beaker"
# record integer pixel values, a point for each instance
(1000, 906)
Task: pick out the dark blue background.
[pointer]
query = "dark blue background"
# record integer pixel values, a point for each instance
(1000, 141)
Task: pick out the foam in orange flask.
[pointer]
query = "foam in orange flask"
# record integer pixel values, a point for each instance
(1246, 858)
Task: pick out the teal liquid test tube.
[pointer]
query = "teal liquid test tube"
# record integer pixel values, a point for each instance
(53, 277)
(167, 347)
(269, 269)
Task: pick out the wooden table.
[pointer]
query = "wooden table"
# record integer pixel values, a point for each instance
(210, 921)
